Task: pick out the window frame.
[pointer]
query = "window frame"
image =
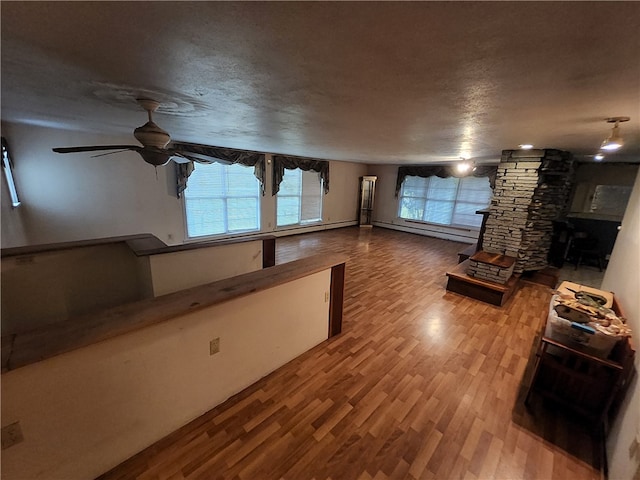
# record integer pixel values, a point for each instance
(225, 199)
(455, 202)
(300, 196)
(7, 167)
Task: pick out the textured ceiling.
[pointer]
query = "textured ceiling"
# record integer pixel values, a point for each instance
(398, 82)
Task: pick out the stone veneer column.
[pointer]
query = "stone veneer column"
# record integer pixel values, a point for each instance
(532, 188)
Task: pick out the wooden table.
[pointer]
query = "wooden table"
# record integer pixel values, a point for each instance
(580, 381)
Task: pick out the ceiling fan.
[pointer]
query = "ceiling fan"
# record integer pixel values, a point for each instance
(154, 141)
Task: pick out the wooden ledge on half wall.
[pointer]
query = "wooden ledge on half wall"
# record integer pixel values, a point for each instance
(479, 289)
(142, 244)
(22, 349)
(467, 252)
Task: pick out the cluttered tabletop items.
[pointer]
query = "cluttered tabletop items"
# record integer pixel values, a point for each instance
(585, 316)
(590, 311)
(585, 357)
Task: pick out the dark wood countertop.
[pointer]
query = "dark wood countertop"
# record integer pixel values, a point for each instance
(193, 246)
(141, 244)
(143, 240)
(19, 350)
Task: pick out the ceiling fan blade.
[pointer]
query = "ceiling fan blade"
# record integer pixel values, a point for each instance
(110, 153)
(181, 157)
(95, 148)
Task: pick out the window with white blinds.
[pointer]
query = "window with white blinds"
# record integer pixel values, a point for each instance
(445, 201)
(299, 200)
(222, 199)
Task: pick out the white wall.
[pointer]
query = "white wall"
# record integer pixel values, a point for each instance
(341, 203)
(339, 206)
(75, 197)
(623, 278)
(175, 271)
(56, 286)
(86, 411)
(385, 210)
(49, 287)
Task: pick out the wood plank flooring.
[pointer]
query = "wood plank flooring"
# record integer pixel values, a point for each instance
(421, 384)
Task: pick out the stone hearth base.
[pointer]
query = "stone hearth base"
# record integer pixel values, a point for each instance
(491, 266)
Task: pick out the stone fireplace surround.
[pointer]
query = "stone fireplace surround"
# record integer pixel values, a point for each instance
(532, 190)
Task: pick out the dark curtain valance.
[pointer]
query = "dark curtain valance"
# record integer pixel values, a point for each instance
(221, 155)
(280, 162)
(444, 171)
(183, 171)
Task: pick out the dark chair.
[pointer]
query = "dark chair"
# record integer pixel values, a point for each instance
(585, 249)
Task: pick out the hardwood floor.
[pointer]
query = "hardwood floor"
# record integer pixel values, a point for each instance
(421, 384)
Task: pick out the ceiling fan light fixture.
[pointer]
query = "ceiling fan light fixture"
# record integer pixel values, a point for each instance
(614, 141)
(157, 158)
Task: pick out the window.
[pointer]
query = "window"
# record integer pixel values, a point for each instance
(8, 174)
(299, 200)
(222, 199)
(610, 199)
(446, 201)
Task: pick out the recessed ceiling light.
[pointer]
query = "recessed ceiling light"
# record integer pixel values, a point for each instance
(526, 146)
(599, 157)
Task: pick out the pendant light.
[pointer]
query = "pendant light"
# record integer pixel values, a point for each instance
(614, 141)
(464, 166)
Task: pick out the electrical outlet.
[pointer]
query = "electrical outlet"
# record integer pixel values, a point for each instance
(11, 434)
(214, 346)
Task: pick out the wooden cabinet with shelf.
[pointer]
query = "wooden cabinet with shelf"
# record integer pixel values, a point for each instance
(589, 385)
